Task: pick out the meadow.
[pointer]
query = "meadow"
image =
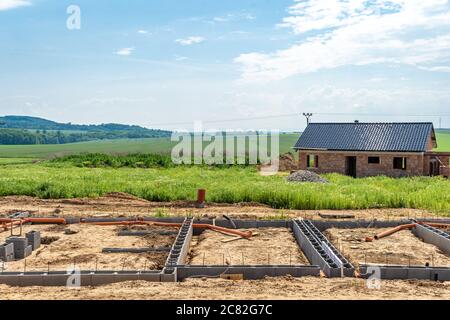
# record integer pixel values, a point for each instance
(148, 145)
(155, 178)
(225, 185)
(121, 146)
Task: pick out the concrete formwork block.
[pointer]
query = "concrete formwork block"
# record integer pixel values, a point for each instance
(34, 239)
(82, 279)
(404, 272)
(433, 236)
(324, 225)
(320, 251)
(21, 247)
(180, 248)
(28, 251)
(169, 277)
(248, 272)
(7, 252)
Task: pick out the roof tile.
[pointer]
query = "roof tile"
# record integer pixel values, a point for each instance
(407, 137)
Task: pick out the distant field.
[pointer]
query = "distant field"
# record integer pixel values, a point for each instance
(6, 161)
(443, 140)
(150, 145)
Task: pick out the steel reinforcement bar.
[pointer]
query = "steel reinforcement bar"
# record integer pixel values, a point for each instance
(320, 251)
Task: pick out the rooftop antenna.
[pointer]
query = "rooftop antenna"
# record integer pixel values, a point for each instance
(308, 117)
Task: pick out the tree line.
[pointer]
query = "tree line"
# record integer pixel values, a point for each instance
(29, 137)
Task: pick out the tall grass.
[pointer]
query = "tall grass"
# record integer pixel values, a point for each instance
(98, 160)
(136, 160)
(225, 185)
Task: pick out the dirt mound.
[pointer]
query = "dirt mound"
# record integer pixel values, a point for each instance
(287, 162)
(306, 176)
(123, 196)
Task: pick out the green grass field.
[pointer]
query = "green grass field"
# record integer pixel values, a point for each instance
(150, 145)
(8, 161)
(225, 185)
(443, 140)
(19, 176)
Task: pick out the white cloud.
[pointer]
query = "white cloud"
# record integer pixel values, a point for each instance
(356, 32)
(12, 4)
(234, 16)
(180, 58)
(436, 68)
(222, 19)
(124, 51)
(190, 40)
(142, 31)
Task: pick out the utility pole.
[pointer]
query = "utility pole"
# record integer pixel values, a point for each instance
(308, 117)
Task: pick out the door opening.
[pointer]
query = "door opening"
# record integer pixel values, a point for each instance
(350, 166)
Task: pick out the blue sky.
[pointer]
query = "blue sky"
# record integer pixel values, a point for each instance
(160, 63)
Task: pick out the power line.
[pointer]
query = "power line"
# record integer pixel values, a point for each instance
(297, 114)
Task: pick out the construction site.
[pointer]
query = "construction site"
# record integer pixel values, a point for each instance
(50, 246)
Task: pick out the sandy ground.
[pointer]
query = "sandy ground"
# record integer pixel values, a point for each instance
(270, 246)
(400, 248)
(84, 249)
(124, 205)
(271, 288)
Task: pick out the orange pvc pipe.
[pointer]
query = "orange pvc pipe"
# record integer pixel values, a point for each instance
(404, 227)
(46, 220)
(242, 234)
(436, 225)
(394, 230)
(36, 220)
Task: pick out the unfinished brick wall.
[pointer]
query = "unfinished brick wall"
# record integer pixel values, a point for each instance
(329, 162)
(444, 159)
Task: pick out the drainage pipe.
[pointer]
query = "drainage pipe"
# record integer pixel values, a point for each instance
(35, 220)
(405, 227)
(242, 234)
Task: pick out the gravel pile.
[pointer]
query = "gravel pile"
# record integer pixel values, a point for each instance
(306, 176)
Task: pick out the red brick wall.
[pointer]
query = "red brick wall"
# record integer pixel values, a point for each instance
(426, 163)
(330, 162)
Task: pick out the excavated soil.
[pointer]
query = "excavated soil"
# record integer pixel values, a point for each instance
(84, 247)
(269, 246)
(212, 289)
(125, 205)
(402, 248)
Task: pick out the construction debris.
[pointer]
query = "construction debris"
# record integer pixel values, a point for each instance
(306, 176)
(288, 162)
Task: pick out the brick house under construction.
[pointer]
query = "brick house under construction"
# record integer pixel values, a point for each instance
(371, 149)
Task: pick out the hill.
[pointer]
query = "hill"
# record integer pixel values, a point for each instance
(443, 131)
(23, 130)
(25, 122)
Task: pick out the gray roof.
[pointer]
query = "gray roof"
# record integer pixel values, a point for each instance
(406, 137)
